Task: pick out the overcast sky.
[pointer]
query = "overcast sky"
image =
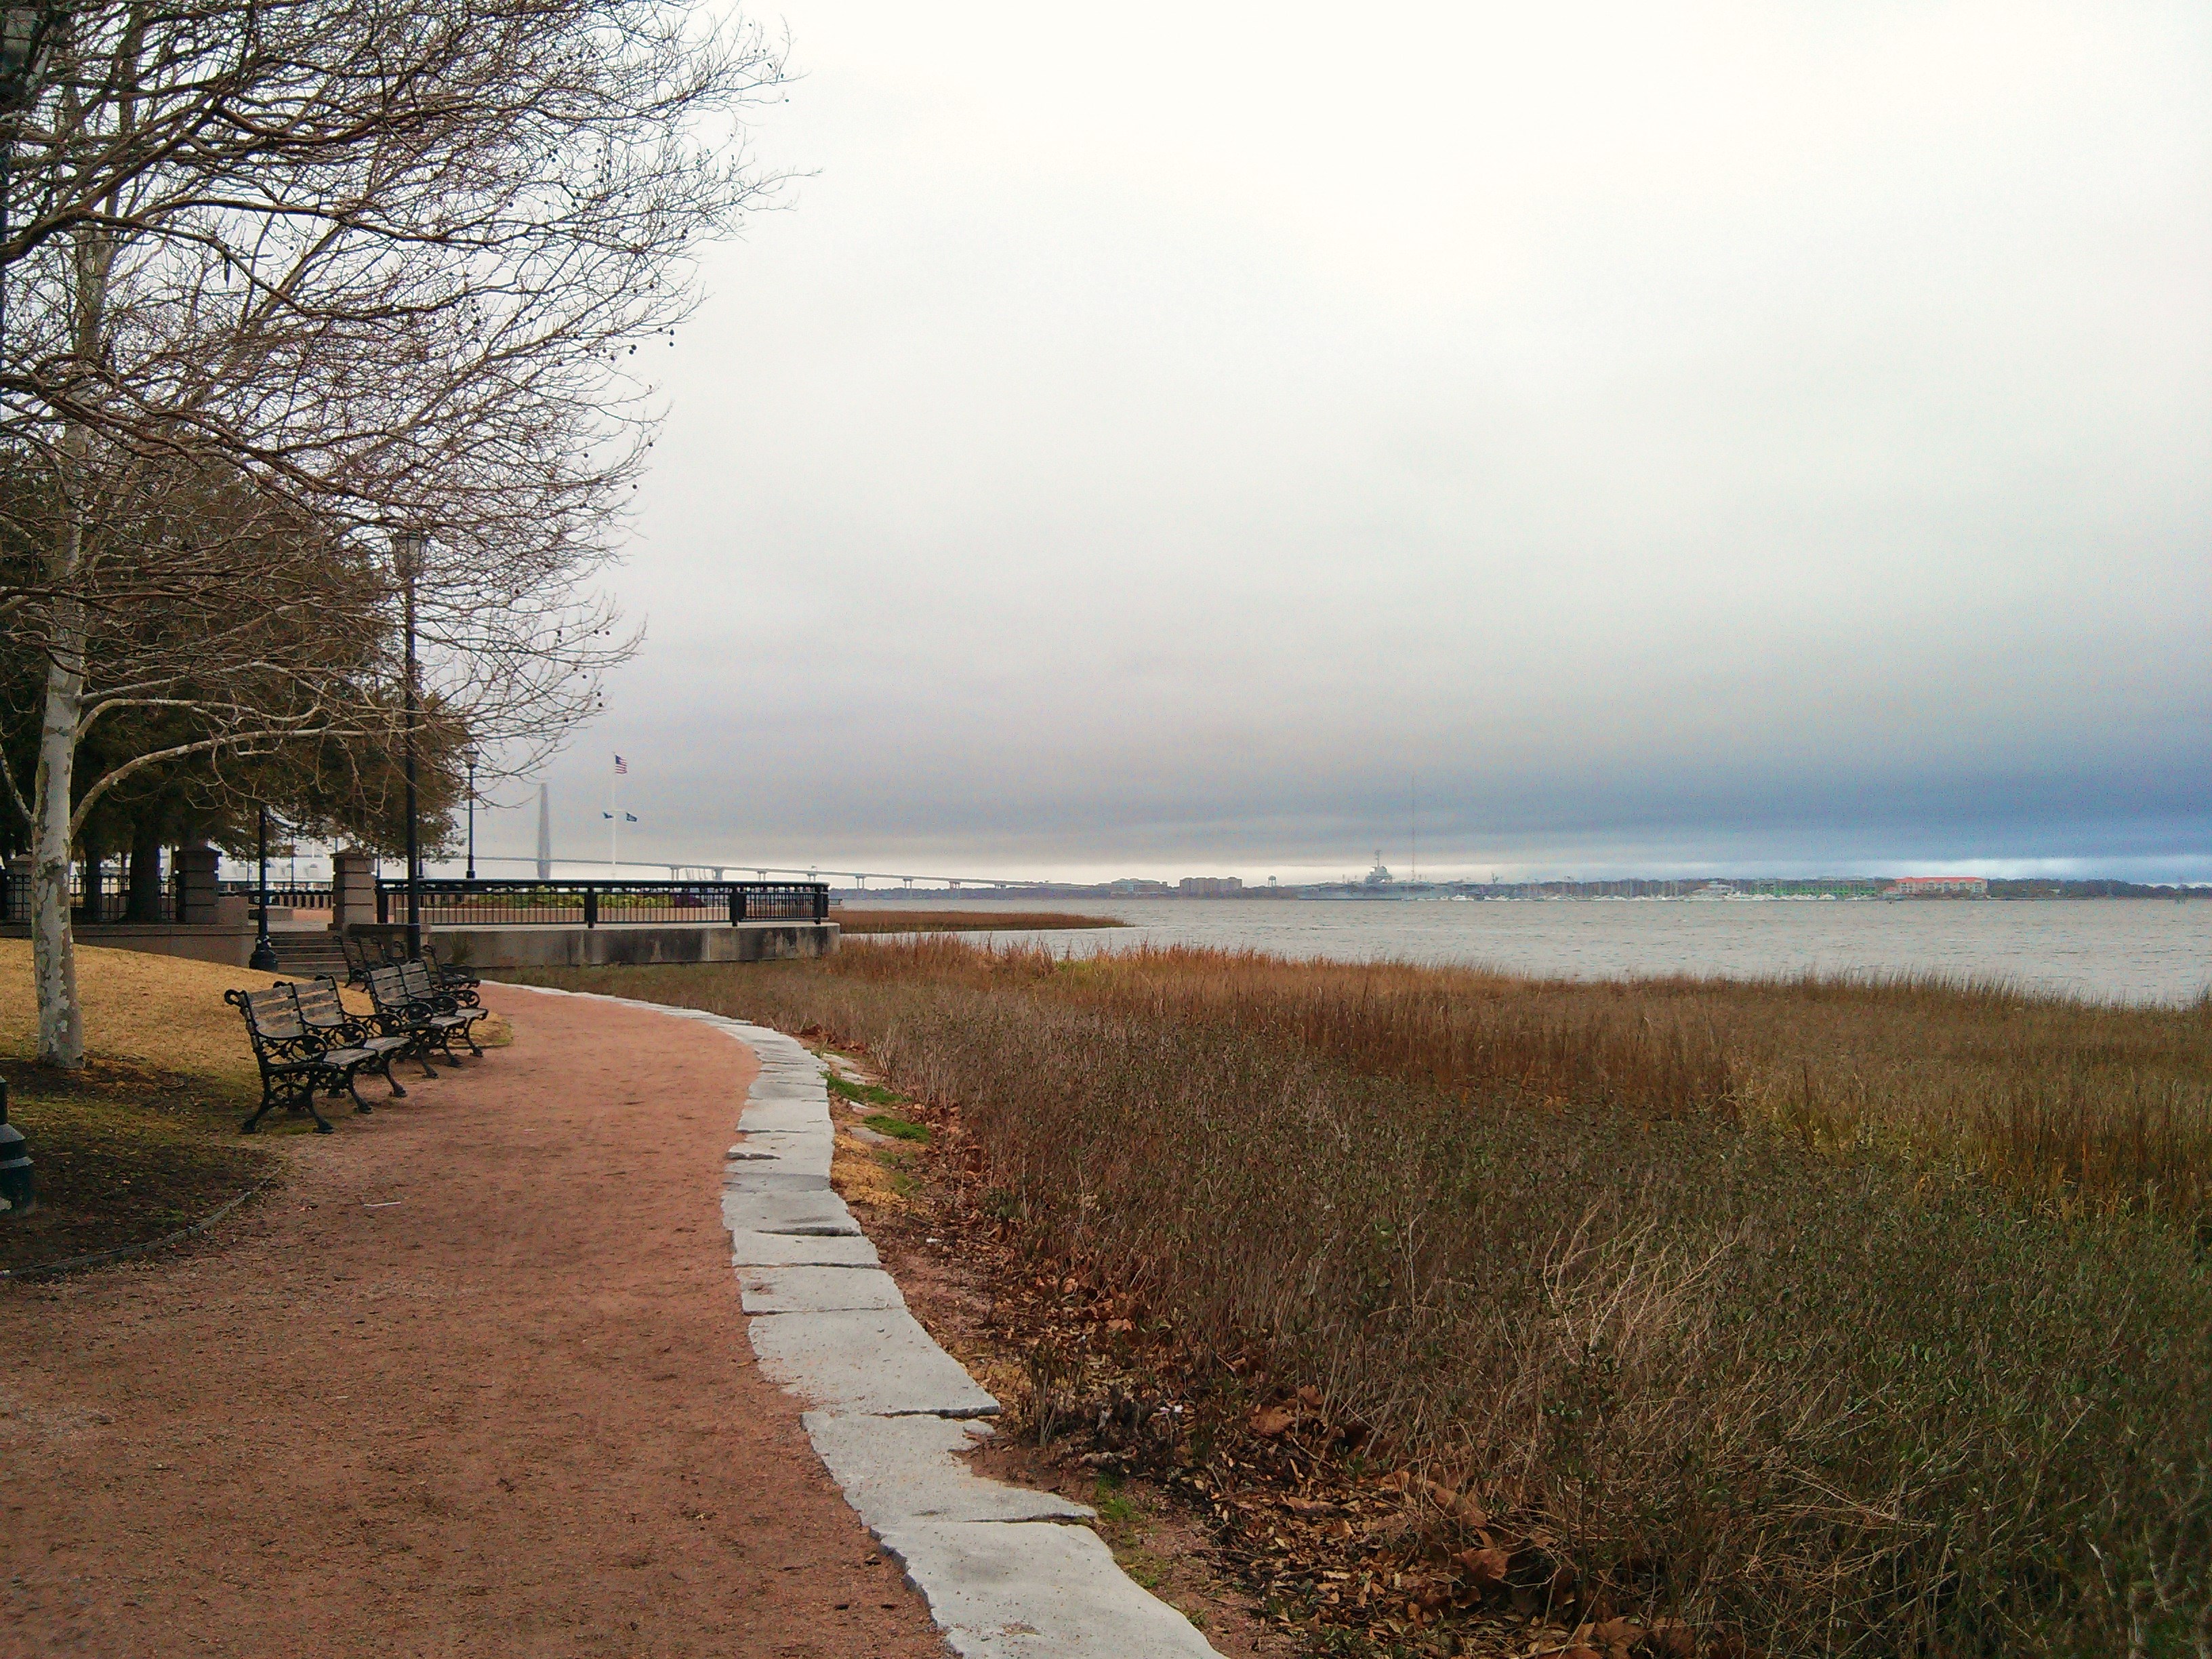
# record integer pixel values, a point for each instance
(1751, 436)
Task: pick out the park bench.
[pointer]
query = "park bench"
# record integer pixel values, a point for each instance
(358, 961)
(324, 1010)
(297, 1062)
(408, 1002)
(456, 982)
(421, 983)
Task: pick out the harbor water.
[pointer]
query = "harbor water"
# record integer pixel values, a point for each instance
(2101, 949)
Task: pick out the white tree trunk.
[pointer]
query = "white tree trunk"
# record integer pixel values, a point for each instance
(53, 949)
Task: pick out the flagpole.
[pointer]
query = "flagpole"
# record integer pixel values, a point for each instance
(614, 823)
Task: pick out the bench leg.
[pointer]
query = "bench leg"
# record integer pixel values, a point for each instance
(323, 1125)
(252, 1124)
(296, 1094)
(421, 1050)
(359, 1104)
(384, 1071)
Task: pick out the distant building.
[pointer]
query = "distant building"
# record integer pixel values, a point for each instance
(1210, 886)
(1939, 887)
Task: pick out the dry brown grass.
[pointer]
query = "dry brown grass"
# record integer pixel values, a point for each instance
(2074, 1104)
(163, 1011)
(145, 1140)
(1869, 1318)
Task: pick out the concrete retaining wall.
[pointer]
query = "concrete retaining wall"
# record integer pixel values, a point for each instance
(231, 944)
(629, 943)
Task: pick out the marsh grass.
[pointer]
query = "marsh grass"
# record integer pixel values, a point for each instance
(2078, 1105)
(1870, 1317)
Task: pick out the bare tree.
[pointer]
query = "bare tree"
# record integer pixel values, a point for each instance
(359, 269)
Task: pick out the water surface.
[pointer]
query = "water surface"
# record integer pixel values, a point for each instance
(2118, 950)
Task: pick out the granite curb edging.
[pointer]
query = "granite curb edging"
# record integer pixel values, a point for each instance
(1007, 1573)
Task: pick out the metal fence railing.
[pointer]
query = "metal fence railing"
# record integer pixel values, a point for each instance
(603, 904)
(96, 897)
(283, 895)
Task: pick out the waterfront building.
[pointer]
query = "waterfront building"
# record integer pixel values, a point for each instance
(1939, 887)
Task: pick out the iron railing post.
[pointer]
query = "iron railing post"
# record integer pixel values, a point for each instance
(590, 907)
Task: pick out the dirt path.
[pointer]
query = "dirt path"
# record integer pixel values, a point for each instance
(476, 1381)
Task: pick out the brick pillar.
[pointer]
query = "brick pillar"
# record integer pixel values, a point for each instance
(199, 903)
(353, 891)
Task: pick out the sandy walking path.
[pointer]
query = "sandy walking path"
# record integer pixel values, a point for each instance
(475, 1380)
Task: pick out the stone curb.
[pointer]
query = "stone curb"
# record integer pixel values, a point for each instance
(1008, 1573)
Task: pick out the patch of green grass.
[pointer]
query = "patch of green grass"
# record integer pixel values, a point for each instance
(861, 1094)
(1115, 1507)
(897, 1128)
(902, 1178)
(1142, 1565)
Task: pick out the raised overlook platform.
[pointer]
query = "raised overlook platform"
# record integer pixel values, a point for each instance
(631, 943)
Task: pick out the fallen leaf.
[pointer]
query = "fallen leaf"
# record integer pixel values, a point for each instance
(1483, 1567)
(1270, 1421)
(1311, 1395)
(1460, 1507)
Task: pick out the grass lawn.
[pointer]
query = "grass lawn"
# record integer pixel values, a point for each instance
(145, 1140)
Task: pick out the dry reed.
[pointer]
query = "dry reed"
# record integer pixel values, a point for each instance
(1870, 1317)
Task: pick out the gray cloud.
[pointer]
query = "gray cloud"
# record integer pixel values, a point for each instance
(1752, 433)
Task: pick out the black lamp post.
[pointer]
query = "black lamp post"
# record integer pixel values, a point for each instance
(264, 959)
(27, 34)
(407, 553)
(472, 814)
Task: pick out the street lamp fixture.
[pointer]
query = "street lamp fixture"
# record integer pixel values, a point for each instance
(407, 549)
(264, 959)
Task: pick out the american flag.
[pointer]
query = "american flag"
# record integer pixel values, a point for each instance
(621, 767)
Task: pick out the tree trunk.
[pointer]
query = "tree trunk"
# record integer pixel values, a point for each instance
(144, 903)
(53, 947)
